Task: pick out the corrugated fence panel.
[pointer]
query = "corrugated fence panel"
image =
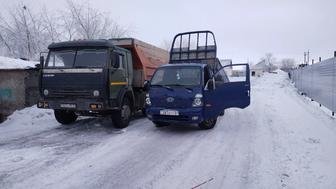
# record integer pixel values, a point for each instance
(318, 82)
(334, 86)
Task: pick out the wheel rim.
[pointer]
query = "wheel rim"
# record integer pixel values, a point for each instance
(125, 112)
(209, 122)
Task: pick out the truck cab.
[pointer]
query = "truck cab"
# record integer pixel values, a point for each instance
(194, 88)
(96, 78)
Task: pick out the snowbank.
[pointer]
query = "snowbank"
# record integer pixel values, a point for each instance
(27, 121)
(11, 63)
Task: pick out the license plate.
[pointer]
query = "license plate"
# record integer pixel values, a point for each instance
(169, 112)
(72, 106)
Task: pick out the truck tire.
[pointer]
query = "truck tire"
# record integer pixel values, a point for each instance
(208, 124)
(143, 111)
(160, 124)
(65, 117)
(2, 118)
(121, 118)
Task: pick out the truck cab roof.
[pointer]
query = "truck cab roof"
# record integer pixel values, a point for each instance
(82, 43)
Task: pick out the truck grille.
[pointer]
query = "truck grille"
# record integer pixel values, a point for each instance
(70, 93)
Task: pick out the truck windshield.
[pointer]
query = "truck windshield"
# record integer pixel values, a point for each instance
(62, 59)
(77, 58)
(91, 58)
(177, 76)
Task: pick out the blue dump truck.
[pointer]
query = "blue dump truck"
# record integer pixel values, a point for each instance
(194, 88)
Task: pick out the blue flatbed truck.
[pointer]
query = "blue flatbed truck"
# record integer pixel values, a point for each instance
(194, 88)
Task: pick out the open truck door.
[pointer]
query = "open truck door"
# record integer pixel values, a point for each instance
(229, 88)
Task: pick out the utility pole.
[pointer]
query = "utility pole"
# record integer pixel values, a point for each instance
(306, 57)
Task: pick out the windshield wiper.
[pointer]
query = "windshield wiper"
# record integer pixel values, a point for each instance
(164, 86)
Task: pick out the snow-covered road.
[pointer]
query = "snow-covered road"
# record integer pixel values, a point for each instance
(280, 141)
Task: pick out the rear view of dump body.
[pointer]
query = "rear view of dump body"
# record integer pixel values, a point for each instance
(98, 77)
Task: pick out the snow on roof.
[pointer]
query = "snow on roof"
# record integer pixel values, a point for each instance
(12, 63)
(260, 65)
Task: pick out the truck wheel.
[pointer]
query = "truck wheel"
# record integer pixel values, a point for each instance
(143, 111)
(2, 118)
(160, 124)
(65, 117)
(208, 124)
(122, 117)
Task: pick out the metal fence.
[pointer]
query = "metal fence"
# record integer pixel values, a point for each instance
(318, 82)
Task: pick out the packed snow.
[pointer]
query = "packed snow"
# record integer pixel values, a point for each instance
(282, 140)
(11, 63)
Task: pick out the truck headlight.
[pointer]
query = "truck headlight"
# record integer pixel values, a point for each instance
(45, 92)
(147, 100)
(197, 100)
(96, 93)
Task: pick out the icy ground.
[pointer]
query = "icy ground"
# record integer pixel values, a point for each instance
(281, 141)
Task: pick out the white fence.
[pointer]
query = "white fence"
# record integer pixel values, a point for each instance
(318, 82)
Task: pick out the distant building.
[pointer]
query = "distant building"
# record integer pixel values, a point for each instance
(258, 69)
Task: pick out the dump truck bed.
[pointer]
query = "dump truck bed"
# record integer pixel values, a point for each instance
(146, 58)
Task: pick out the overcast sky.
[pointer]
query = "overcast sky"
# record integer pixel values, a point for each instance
(244, 29)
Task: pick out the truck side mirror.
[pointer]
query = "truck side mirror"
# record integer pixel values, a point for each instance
(210, 85)
(41, 62)
(115, 61)
(116, 64)
(146, 85)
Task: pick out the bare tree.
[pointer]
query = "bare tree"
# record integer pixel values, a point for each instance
(270, 61)
(25, 33)
(90, 23)
(51, 26)
(20, 32)
(287, 64)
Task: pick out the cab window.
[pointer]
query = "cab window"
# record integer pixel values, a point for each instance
(221, 77)
(118, 61)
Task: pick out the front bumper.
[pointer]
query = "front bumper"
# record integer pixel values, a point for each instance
(186, 115)
(73, 104)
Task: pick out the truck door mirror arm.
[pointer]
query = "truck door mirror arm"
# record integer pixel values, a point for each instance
(42, 59)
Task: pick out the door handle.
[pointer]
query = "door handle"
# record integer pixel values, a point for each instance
(248, 92)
